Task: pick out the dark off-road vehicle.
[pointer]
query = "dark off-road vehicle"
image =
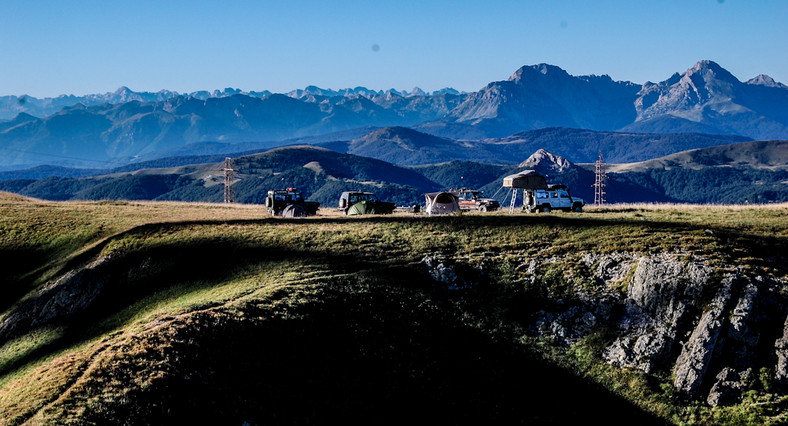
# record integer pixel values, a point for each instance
(289, 203)
(475, 200)
(357, 202)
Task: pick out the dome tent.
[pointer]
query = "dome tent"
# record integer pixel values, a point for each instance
(362, 207)
(441, 203)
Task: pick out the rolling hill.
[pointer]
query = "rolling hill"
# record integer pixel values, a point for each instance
(749, 172)
(405, 146)
(158, 313)
(320, 173)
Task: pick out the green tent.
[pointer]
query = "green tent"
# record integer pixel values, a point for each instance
(362, 207)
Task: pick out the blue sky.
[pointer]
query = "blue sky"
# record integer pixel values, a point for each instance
(79, 47)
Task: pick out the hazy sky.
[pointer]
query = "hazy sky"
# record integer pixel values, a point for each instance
(48, 48)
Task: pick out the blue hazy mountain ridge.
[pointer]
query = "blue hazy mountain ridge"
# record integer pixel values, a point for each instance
(127, 131)
(321, 173)
(710, 95)
(12, 105)
(735, 173)
(706, 96)
(406, 146)
(547, 96)
(704, 99)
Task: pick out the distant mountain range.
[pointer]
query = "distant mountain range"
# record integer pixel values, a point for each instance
(126, 126)
(705, 99)
(754, 172)
(11, 105)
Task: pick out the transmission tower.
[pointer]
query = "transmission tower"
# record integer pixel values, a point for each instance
(229, 177)
(599, 181)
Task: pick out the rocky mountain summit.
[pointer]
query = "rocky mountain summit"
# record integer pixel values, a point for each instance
(541, 159)
(710, 95)
(122, 126)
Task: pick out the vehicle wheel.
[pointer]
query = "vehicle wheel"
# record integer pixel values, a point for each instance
(546, 208)
(578, 208)
(483, 209)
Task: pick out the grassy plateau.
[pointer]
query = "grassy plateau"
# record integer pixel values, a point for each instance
(186, 312)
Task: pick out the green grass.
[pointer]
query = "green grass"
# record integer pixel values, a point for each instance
(183, 263)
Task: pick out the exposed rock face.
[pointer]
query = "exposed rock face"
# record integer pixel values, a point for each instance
(546, 161)
(668, 314)
(693, 362)
(781, 353)
(703, 326)
(728, 387)
(659, 298)
(70, 293)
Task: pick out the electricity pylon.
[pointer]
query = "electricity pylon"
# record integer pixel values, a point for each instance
(599, 181)
(229, 177)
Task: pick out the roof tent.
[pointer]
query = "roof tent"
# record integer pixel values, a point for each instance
(527, 179)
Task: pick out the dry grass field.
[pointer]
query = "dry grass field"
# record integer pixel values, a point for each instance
(185, 275)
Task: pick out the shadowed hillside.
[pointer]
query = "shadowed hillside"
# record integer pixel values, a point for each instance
(153, 313)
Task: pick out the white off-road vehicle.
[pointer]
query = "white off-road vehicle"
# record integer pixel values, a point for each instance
(555, 197)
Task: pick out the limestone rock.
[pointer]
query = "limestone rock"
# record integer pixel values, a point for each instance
(728, 388)
(693, 362)
(781, 353)
(662, 290)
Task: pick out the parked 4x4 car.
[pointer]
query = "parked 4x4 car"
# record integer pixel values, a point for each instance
(289, 203)
(470, 199)
(555, 197)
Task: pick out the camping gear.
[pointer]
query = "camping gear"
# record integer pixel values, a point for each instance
(362, 207)
(527, 179)
(441, 203)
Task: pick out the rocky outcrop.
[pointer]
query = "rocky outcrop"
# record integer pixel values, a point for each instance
(71, 293)
(693, 362)
(671, 315)
(781, 354)
(659, 298)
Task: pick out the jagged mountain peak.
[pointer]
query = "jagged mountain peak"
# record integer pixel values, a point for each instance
(542, 160)
(22, 117)
(710, 70)
(765, 80)
(417, 92)
(672, 80)
(538, 70)
(446, 91)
